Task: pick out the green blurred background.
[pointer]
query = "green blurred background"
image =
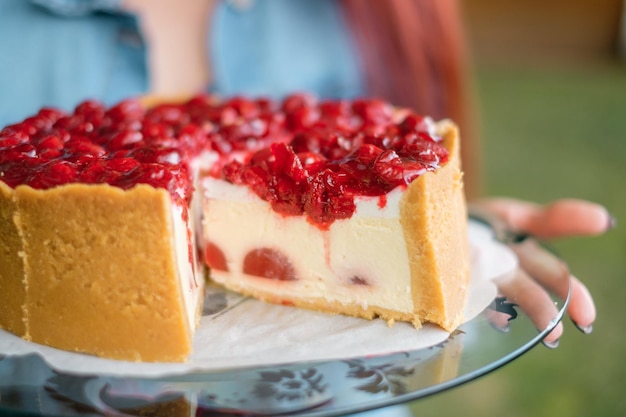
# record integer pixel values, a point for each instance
(551, 90)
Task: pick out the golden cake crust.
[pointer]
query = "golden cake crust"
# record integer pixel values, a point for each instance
(12, 281)
(99, 274)
(434, 219)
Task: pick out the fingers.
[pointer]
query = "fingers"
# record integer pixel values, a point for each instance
(541, 272)
(534, 300)
(548, 270)
(581, 308)
(561, 218)
(552, 273)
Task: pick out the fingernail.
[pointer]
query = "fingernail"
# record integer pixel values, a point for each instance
(504, 328)
(551, 345)
(518, 238)
(585, 329)
(612, 223)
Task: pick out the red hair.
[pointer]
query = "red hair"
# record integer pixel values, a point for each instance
(414, 55)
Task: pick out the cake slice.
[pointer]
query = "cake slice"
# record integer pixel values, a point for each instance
(107, 271)
(98, 248)
(369, 224)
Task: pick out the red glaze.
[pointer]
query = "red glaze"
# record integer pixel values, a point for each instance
(303, 156)
(382, 201)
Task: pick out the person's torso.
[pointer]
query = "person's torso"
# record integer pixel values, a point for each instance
(266, 47)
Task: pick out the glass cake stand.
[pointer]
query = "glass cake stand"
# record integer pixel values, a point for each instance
(502, 332)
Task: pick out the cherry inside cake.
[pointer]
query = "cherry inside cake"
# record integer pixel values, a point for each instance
(109, 217)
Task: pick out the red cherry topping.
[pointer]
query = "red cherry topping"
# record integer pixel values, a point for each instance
(214, 257)
(338, 151)
(300, 155)
(269, 263)
(53, 174)
(9, 141)
(245, 108)
(125, 139)
(50, 146)
(373, 112)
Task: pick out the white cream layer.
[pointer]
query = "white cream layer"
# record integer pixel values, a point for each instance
(191, 284)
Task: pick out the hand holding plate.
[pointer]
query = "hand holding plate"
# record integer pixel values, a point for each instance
(521, 225)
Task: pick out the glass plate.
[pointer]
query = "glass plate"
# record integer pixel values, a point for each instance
(499, 334)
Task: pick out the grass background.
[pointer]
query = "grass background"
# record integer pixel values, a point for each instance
(551, 133)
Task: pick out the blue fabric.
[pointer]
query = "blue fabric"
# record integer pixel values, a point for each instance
(60, 52)
(78, 7)
(51, 60)
(276, 47)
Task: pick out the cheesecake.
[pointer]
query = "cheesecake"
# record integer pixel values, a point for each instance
(112, 218)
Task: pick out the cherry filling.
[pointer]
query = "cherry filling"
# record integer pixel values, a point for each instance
(358, 281)
(214, 257)
(127, 144)
(92, 145)
(300, 155)
(338, 151)
(269, 263)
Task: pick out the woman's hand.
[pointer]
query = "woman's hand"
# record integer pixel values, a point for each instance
(539, 269)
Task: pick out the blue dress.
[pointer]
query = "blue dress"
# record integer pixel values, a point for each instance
(60, 52)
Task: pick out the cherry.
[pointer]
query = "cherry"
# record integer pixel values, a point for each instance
(81, 145)
(50, 147)
(373, 112)
(327, 199)
(245, 108)
(53, 174)
(287, 162)
(126, 110)
(164, 155)
(214, 257)
(50, 114)
(90, 108)
(228, 116)
(413, 123)
(122, 165)
(18, 170)
(358, 281)
(258, 180)
(269, 263)
(294, 102)
(302, 117)
(266, 105)
(93, 171)
(168, 114)
(9, 141)
(125, 139)
(24, 150)
(156, 130)
(425, 152)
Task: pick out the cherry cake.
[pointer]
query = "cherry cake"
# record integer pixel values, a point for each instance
(109, 217)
